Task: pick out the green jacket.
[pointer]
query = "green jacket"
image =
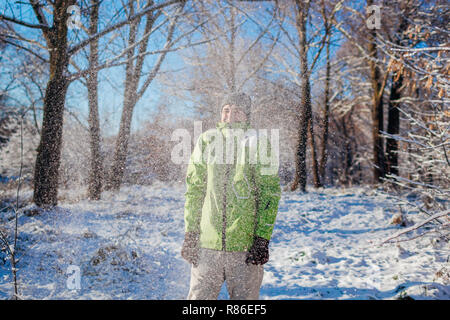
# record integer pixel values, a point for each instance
(230, 202)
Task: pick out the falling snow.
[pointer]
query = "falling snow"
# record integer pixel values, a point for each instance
(127, 246)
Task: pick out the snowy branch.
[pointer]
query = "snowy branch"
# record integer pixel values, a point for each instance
(417, 226)
(155, 7)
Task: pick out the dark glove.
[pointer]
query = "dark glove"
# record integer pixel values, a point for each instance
(189, 251)
(259, 252)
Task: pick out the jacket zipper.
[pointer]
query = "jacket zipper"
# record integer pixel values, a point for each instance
(227, 176)
(224, 215)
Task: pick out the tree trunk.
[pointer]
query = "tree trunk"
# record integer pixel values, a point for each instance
(232, 51)
(377, 107)
(300, 176)
(96, 162)
(48, 157)
(315, 168)
(121, 149)
(326, 116)
(348, 155)
(393, 127)
(132, 76)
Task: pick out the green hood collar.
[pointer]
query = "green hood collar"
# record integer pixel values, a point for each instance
(234, 125)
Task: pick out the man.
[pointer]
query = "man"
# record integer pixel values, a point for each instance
(231, 206)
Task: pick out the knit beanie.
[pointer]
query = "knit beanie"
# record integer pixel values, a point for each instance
(239, 99)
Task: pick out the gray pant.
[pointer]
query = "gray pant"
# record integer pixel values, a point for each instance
(215, 267)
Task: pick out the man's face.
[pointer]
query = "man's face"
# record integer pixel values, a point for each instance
(233, 113)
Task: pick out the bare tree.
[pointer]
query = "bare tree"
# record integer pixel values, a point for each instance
(377, 104)
(368, 48)
(326, 113)
(233, 59)
(133, 73)
(397, 35)
(300, 46)
(96, 160)
(59, 52)
(11, 246)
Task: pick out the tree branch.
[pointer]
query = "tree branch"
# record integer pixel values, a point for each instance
(84, 43)
(418, 225)
(23, 23)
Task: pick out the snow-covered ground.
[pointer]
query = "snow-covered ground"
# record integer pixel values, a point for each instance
(127, 246)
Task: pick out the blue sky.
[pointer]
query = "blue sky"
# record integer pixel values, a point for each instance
(111, 91)
(110, 98)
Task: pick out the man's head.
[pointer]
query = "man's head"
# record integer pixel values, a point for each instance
(236, 107)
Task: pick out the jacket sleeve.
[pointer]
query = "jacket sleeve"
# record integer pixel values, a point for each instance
(195, 188)
(268, 192)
